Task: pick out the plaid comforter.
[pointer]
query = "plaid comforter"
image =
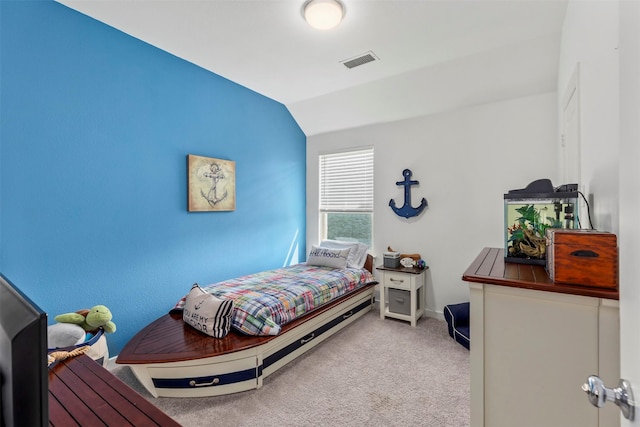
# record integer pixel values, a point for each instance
(265, 301)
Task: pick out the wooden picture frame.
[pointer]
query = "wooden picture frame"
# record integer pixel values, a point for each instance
(211, 184)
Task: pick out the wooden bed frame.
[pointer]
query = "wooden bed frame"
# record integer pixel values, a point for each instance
(172, 359)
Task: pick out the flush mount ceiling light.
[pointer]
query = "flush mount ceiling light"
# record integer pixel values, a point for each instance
(323, 14)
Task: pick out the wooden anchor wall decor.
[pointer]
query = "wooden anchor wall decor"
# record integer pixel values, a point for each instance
(407, 210)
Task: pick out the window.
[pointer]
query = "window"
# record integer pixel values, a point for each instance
(346, 196)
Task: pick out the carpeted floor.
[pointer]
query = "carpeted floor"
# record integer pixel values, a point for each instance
(373, 373)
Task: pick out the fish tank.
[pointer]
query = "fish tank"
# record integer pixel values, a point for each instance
(528, 212)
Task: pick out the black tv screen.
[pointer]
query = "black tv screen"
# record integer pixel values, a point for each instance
(24, 376)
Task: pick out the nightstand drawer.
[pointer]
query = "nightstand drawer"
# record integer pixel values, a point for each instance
(402, 281)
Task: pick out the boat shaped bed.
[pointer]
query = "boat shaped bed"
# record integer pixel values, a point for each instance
(172, 359)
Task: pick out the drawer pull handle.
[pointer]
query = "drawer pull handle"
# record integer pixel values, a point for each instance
(396, 280)
(309, 338)
(214, 381)
(347, 315)
(585, 253)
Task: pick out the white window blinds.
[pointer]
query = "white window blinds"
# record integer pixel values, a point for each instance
(346, 181)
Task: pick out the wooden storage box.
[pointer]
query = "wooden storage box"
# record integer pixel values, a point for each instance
(582, 257)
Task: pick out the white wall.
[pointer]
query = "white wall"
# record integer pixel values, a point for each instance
(590, 38)
(465, 160)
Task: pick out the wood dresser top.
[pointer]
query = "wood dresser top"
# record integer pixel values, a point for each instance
(490, 267)
(83, 393)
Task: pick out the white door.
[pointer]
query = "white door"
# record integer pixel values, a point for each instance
(629, 207)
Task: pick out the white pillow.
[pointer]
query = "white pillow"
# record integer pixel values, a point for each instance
(362, 252)
(207, 313)
(328, 257)
(357, 256)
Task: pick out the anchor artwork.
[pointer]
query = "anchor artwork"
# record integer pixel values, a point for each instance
(211, 184)
(406, 210)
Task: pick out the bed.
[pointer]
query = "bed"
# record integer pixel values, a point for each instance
(173, 359)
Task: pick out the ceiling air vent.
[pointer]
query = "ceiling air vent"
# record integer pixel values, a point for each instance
(360, 60)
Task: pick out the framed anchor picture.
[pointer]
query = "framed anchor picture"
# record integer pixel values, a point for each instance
(211, 184)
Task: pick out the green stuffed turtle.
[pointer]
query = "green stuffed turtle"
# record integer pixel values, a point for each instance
(90, 320)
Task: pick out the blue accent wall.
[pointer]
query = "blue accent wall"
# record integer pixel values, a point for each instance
(95, 129)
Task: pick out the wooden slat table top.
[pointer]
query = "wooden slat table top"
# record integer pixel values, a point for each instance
(490, 267)
(83, 393)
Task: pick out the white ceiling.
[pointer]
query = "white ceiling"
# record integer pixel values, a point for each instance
(434, 55)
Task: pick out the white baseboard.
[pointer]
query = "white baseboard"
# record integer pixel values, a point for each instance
(434, 314)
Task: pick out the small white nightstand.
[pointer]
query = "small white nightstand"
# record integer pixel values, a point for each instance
(402, 293)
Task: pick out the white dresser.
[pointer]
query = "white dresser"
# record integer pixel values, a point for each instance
(533, 345)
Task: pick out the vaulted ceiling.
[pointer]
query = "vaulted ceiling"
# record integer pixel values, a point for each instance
(431, 55)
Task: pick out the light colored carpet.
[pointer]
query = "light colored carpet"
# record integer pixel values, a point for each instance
(372, 373)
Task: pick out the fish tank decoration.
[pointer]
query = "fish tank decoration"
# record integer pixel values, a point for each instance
(529, 212)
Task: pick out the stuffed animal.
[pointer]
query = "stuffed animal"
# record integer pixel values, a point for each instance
(91, 320)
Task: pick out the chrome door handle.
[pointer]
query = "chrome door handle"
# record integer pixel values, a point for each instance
(599, 395)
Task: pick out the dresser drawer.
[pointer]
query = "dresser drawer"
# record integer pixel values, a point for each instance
(240, 374)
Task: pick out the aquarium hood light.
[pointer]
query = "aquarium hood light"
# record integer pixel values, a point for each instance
(543, 189)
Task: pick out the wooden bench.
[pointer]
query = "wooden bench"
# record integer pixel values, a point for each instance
(83, 393)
